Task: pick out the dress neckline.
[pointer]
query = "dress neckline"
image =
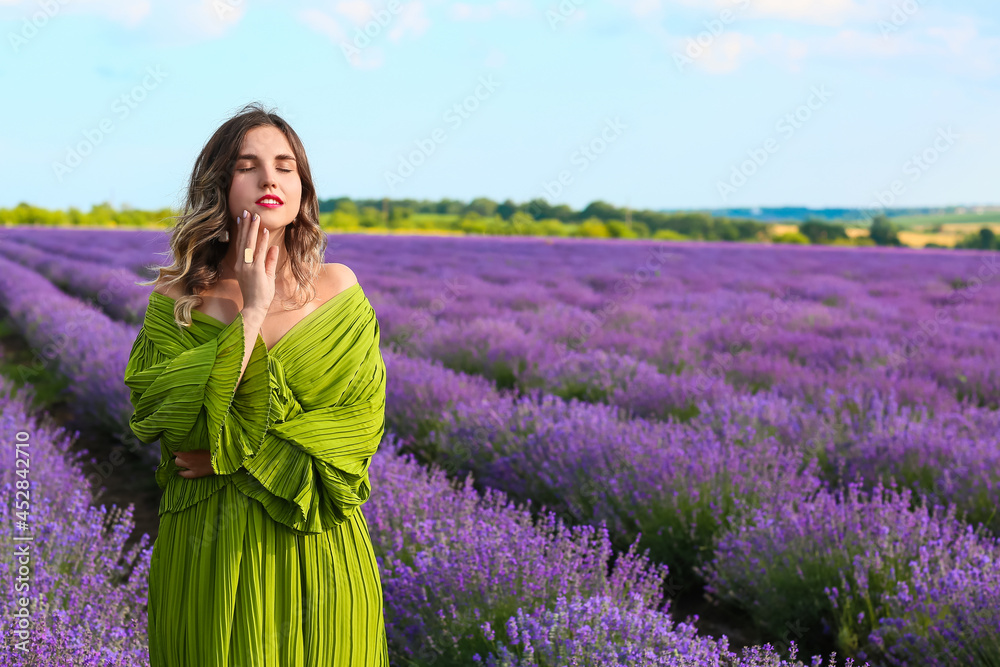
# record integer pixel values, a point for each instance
(219, 323)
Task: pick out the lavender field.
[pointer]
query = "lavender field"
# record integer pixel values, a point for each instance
(598, 453)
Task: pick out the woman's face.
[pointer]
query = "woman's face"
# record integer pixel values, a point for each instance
(265, 166)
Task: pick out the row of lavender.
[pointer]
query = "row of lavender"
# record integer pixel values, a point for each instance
(677, 322)
(73, 593)
(439, 548)
(866, 426)
(689, 511)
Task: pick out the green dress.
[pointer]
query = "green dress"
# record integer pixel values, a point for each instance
(269, 561)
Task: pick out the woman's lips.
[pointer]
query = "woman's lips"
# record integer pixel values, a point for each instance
(269, 204)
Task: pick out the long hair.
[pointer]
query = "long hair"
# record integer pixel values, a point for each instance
(196, 244)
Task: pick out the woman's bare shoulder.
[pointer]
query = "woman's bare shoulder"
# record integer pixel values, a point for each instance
(338, 277)
(173, 291)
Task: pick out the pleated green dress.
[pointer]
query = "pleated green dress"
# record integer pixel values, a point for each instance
(269, 561)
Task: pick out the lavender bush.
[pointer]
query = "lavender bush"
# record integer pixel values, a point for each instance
(758, 375)
(475, 579)
(948, 613)
(830, 563)
(85, 588)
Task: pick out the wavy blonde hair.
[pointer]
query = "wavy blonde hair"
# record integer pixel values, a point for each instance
(196, 244)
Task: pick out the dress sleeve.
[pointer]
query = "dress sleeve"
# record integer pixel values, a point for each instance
(311, 471)
(181, 391)
(307, 467)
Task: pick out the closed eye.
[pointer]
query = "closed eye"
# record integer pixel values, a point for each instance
(251, 168)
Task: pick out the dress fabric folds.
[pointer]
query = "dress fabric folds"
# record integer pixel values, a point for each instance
(268, 562)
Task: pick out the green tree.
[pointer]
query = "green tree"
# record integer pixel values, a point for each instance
(593, 228)
(483, 206)
(345, 205)
(985, 239)
(473, 223)
(370, 216)
(537, 208)
(342, 220)
(449, 207)
(563, 212)
(669, 235)
(884, 232)
(399, 214)
(600, 209)
(619, 230)
(523, 224)
(507, 209)
(792, 237)
(820, 231)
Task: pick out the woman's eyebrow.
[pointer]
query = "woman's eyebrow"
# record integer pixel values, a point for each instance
(253, 156)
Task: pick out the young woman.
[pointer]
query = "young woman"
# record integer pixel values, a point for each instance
(268, 401)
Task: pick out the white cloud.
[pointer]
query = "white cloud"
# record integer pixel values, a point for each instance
(727, 53)
(957, 46)
(356, 27)
(977, 54)
(174, 23)
(827, 12)
(959, 49)
(876, 30)
(412, 20)
(373, 19)
(129, 14)
(722, 55)
(356, 11)
(325, 24)
(644, 8)
(832, 13)
(850, 43)
(210, 17)
(465, 11)
(641, 8)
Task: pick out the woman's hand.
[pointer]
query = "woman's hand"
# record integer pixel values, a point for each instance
(256, 279)
(194, 464)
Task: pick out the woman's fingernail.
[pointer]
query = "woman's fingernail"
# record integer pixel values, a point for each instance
(246, 214)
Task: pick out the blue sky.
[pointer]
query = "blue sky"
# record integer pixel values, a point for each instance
(644, 103)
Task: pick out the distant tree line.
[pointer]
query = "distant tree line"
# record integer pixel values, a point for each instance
(100, 215)
(598, 218)
(536, 217)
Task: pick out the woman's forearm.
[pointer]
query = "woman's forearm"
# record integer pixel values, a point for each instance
(253, 320)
